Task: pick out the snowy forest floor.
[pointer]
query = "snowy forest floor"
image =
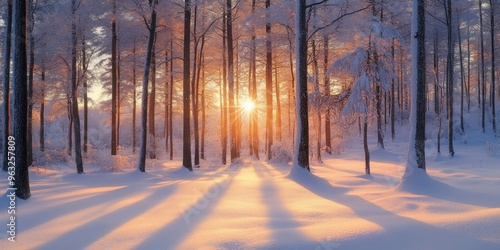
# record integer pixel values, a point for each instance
(255, 204)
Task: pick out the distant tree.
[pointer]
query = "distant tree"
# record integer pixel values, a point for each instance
(114, 81)
(450, 71)
(186, 135)
(269, 83)
(492, 90)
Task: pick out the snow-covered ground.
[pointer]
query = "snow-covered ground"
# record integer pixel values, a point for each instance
(255, 204)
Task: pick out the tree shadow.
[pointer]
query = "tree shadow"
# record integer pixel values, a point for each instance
(398, 231)
(191, 216)
(86, 234)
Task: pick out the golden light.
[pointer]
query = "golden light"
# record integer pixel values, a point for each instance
(248, 105)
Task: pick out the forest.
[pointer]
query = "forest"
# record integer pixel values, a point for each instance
(306, 124)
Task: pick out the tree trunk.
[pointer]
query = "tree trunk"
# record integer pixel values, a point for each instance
(316, 101)
(416, 152)
(74, 93)
(451, 53)
(171, 91)
(70, 127)
(301, 158)
(85, 98)
(166, 97)
(186, 136)
(42, 110)
(269, 84)
(483, 90)
(147, 65)
(328, 139)
(20, 101)
(393, 82)
(31, 68)
(152, 103)
(224, 91)
(492, 90)
(203, 111)
(278, 105)
(134, 100)
(6, 83)
(114, 81)
(468, 67)
(230, 82)
(365, 144)
(462, 79)
(253, 94)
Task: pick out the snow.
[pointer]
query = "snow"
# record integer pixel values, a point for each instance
(255, 204)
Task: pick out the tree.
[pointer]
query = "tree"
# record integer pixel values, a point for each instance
(144, 105)
(186, 135)
(114, 81)
(254, 127)
(74, 92)
(269, 83)
(6, 84)
(152, 103)
(483, 87)
(416, 147)
(230, 82)
(492, 90)
(20, 100)
(450, 70)
(301, 152)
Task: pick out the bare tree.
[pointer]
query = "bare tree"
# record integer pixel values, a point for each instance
(74, 92)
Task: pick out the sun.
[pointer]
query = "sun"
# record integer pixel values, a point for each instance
(248, 105)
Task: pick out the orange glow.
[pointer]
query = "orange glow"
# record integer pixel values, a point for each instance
(248, 105)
